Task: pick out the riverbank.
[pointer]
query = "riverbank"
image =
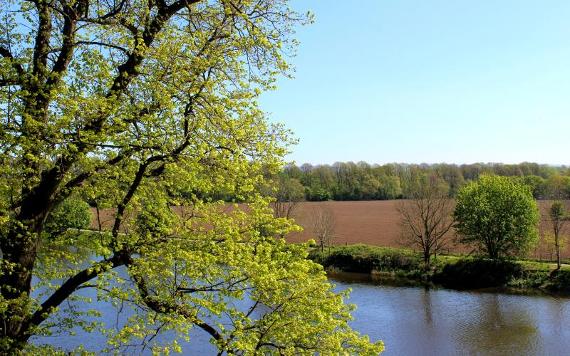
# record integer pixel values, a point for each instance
(402, 266)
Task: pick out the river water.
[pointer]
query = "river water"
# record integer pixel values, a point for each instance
(419, 321)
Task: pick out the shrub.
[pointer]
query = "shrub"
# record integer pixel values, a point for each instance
(364, 259)
(479, 273)
(72, 213)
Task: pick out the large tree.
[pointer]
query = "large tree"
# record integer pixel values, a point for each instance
(137, 106)
(426, 217)
(497, 215)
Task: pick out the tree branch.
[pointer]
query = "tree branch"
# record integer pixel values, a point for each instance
(71, 285)
(70, 14)
(5, 52)
(41, 47)
(164, 307)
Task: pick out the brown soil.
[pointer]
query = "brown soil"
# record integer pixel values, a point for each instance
(374, 223)
(377, 223)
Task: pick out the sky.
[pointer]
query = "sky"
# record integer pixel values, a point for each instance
(434, 81)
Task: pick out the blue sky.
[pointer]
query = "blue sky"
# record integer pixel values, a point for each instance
(429, 81)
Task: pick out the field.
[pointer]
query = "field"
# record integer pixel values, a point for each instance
(377, 223)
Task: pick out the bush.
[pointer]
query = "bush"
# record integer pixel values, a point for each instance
(364, 259)
(559, 281)
(72, 213)
(479, 273)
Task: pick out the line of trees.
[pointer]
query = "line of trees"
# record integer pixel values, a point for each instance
(363, 181)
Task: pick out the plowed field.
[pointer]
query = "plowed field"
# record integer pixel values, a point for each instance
(377, 223)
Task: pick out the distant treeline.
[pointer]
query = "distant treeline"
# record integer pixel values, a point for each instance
(363, 181)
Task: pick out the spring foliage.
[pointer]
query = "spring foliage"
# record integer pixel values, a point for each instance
(137, 106)
(498, 216)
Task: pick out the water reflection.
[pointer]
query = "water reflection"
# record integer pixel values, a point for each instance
(426, 301)
(420, 321)
(497, 325)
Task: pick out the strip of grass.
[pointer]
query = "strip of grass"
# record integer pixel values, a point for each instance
(451, 271)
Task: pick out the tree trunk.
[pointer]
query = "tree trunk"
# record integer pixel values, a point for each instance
(19, 255)
(427, 255)
(19, 251)
(557, 247)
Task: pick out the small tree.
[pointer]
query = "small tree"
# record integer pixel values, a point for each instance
(498, 215)
(287, 196)
(426, 218)
(72, 213)
(323, 225)
(558, 217)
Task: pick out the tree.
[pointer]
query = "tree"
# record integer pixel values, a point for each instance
(558, 218)
(537, 185)
(389, 187)
(498, 215)
(323, 226)
(136, 103)
(289, 192)
(72, 213)
(426, 217)
(557, 187)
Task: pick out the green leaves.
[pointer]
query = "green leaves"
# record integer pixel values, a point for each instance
(498, 215)
(72, 213)
(148, 110)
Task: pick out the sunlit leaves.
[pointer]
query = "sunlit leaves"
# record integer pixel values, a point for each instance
(148, 111)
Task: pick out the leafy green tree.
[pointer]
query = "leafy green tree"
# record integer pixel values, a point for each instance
(451, 174)
(537, 185)
(322, 184)
(557, 187)
(389, 187)
(497, 215)
(137, 104)
(317, 193)
(72, 213)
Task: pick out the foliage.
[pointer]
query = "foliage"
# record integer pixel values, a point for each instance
(477, 273)
(363, 181)
(457, 272)
(139, 106)
(497, 215)
(364, 259)
(72, 213)
(558, 281)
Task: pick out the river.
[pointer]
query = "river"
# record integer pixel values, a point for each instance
(419, 321)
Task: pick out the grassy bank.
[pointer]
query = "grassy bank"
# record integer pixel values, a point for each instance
(450, 271)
